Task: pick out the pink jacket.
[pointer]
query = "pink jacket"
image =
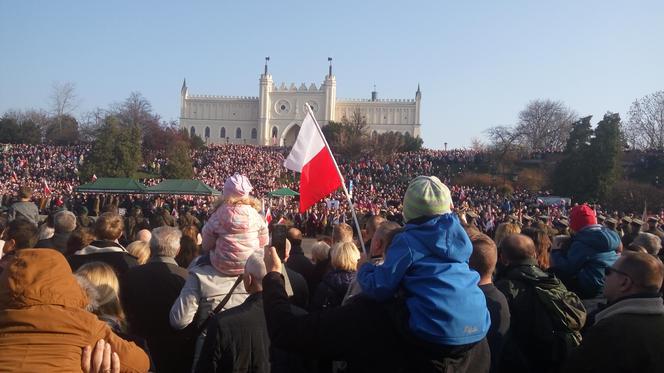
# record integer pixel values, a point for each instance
(231, 235)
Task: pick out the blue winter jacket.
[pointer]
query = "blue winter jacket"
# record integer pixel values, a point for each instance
(429, 261)
(593, 248)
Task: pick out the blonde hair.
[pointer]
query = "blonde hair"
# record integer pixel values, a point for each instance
(345, 256)
(230, 200)
(320, 251)
(504, 230)
(141, 250)
(105, 282)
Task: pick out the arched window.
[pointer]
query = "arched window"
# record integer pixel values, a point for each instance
(207, 132)
(222, 132)
(254, 133)
(238, 133)
(275, 132)
(192, 131)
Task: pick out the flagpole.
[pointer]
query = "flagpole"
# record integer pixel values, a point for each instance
(343, 181)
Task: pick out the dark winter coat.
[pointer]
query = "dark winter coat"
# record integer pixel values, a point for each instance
(362, 333)
(147, 293)
(332, 289)
(627, 336)
(237, 340)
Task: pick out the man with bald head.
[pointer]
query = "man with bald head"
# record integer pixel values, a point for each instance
(628, 334)
(533, 344)
(297, 261)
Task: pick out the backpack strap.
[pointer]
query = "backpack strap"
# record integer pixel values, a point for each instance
(219, 307)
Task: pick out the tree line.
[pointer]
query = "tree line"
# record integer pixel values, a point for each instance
(351, 139)
(122, 135)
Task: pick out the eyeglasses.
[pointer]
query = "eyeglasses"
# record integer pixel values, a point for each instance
(610, 270)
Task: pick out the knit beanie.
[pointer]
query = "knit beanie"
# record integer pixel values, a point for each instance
(581, 217)
(237, 186)
(426, 196)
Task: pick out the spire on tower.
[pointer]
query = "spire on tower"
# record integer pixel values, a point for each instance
(266, 61)
(418, 94)
(329, 59)
(184, 86)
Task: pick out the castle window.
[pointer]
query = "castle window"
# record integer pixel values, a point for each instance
(207, 132)
(238, 133)
(192, 132)
(275, 132)
(222, 132)
(254, 133)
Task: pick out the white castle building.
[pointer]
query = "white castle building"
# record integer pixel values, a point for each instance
(274, 117)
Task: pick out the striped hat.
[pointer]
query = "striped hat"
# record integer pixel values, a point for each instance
(426, 196)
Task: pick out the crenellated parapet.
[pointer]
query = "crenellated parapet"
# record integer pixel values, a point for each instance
(293, 88)
(377, 101)
(222, 98)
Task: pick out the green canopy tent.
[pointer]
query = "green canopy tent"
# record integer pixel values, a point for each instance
(118, 185)
(283, 192)
(183, 187)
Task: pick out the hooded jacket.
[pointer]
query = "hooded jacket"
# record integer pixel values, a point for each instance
(592, 249)
(231, 235)
(43, 322)
(429, 261)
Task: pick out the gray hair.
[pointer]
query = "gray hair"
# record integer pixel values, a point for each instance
(165, 241)
(64, 222)
(649, 241)
(255, 266)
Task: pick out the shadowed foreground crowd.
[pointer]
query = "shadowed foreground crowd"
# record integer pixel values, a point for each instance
(442, 292)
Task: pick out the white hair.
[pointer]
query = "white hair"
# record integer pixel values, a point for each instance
(165, 241)
(64, 222)
(255, 266)
(649, 241)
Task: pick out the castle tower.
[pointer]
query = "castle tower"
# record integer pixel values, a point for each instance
(418, 99)
(330, 88)
(183, 96)
(264, 103)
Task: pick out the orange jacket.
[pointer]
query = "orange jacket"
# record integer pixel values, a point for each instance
(43, 322)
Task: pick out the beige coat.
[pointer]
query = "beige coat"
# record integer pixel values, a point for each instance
(43, 322)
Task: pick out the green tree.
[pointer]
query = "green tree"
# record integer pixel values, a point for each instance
(572, 176)
(591, 163)
(117, 151)
(62, 130)
(179, 164)
(605, 155)
(9, 130)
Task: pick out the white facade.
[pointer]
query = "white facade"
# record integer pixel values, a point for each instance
(274, 117)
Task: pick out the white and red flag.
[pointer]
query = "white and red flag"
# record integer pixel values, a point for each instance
(47, 190)
(93, 178)
(312, 157)
(268, 216)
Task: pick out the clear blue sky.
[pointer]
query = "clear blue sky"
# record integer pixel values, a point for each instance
(478, 62)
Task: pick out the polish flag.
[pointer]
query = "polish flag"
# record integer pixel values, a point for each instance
(47, 190)
(268, 216)
(313, 159)
(94, 178)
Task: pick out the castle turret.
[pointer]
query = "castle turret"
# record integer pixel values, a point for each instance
(183, 97)
(330, 88)
(264, 103)
(418, 99)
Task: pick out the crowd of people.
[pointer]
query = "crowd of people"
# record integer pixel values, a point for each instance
(458, 279)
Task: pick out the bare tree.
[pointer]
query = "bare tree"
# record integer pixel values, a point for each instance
(63, 98)
(645, 126)
(545, 125)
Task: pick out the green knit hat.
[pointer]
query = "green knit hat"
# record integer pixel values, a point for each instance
(426, 196)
